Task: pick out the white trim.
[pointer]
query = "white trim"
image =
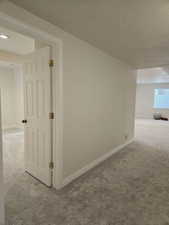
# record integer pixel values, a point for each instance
(93, 164)
(2, 213)
(12, 126)
(9, 21)
(6, 127)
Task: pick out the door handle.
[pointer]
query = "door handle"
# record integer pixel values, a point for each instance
(24, 121)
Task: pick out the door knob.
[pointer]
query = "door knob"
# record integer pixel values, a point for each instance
(24, 121)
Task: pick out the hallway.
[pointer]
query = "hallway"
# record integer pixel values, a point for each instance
(130, 188)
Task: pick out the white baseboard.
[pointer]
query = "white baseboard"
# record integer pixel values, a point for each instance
(80, 172)
(12, 126)
(6, 127)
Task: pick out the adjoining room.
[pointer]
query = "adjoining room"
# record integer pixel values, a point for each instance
(152, 104)
(21, 96)
(11, 84)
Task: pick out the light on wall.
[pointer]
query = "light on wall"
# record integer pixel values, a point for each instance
(4, 36)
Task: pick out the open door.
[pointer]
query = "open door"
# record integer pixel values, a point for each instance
(37, 108)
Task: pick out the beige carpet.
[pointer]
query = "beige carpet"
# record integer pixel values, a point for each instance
(131, 188)
(13, 154)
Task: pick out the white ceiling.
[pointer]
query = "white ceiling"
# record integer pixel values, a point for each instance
(16, 43)
(135, 31)
(154, 75)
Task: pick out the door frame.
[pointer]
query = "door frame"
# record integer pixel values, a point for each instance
(10, 22)
(2, 208)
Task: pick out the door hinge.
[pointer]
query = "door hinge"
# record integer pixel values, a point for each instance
(51, 115)
(51, 63)
(51, 165)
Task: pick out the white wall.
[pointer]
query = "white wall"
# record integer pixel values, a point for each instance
(7, 85)
(145, 100)
(1, 176)
(98, 97)
(98, 93)
(19, 96)
(12, 103)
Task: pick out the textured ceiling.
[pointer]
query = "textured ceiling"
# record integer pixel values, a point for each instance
(135, 31)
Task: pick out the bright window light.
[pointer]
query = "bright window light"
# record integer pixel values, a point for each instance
(4, 36)
(161, 98)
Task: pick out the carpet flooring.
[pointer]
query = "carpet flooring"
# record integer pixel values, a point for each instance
(130, 188)
(13, 155)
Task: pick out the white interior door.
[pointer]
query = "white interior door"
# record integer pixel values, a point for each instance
(37, 106)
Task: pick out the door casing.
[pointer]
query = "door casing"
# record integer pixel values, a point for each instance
(2, 214)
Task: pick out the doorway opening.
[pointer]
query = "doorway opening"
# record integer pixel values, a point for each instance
(152, 106)
(12, 106)
(26, 92)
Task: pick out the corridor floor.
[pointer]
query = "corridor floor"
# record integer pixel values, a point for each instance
(130, 188)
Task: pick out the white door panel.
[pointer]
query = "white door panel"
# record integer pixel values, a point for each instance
(37, 99)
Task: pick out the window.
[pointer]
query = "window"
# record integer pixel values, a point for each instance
(161, 98)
